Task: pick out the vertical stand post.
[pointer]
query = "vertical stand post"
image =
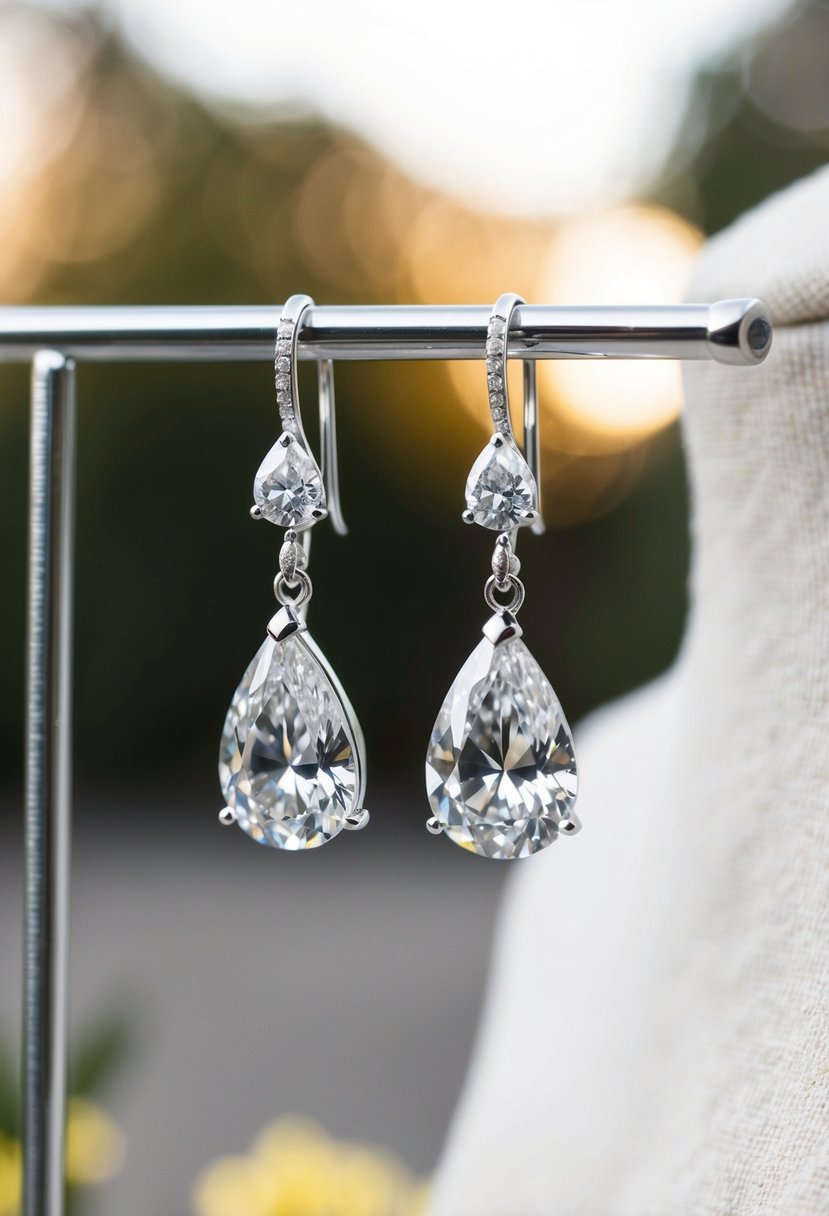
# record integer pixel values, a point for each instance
(48, 781)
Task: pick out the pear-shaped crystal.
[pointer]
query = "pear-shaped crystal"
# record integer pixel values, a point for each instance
(288, 485)
(500, 770)
(501, 489)
(289, 764)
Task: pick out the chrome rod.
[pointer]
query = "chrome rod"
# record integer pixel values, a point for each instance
(729, 331)
(48, 781)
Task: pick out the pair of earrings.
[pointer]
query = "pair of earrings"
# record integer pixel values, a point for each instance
(500, 768)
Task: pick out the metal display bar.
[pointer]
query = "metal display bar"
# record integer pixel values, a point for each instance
(48, 780)
(730, 331)
(738, 332)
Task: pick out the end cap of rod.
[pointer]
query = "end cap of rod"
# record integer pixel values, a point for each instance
(739, 331)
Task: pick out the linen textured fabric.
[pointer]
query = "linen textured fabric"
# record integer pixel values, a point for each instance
(654, 1040)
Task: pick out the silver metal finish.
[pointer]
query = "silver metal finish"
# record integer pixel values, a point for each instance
(501, 627)
(434, 826)
(357, 820)
(289, 557)
(532, 437)
(571, 825)
(497, 359)
(285, 622)
(730, 331)
(328, 445)
(285, 377)
(504, 562)
(516, 600)
(287, 595)
(227, 816)
(497, 337)
(48, 781)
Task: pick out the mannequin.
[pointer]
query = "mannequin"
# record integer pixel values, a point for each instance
(654, 1040)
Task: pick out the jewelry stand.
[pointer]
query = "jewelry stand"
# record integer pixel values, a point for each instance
(736, 332)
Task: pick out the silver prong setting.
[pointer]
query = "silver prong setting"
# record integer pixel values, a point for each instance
(570, 826)
(227, 816)
(502, 626)
(285, 622)
(357, 820)
(256, 512)
(434, 826)
(468, 516)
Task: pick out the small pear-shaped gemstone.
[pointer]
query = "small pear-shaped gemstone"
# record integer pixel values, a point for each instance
(500, 770)
(500, 487)
(288, 485)
(289, 765)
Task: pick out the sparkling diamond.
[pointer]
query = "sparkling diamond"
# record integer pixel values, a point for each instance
(288, 762)
(288, 485)
(500, 486)
(500, 770)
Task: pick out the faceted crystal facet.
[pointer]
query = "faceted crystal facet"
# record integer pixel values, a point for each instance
(288, 485)
(289, 765)
(500, 770)
(500, 486)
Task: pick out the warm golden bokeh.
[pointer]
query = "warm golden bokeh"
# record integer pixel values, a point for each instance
(103, 155)
(629, 255)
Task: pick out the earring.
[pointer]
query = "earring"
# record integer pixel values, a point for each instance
(500, 769)
(292, 756)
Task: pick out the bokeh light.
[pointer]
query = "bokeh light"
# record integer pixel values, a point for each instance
(628, 255)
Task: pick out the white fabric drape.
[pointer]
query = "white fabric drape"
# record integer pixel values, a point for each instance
(654, 1041)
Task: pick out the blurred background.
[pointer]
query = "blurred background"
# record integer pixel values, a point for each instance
(162, 151)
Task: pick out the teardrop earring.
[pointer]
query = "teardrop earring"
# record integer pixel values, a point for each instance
(500, 770)
(292, 757)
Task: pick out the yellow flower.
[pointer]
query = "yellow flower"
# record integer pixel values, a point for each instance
(94, 1152)
(295, 1169)
(10, 1176)
(95, 1144)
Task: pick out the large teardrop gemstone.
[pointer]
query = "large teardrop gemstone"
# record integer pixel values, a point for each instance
(290, 761)
(500, 770)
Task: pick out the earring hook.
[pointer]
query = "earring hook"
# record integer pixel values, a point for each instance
(287, 396)
(532, 437)
(328, 444)
(288, 489)
(497, 357)
(502, 488)
(285, 366)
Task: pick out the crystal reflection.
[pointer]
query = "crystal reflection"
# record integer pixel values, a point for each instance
(287, 760)
(500, 770)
